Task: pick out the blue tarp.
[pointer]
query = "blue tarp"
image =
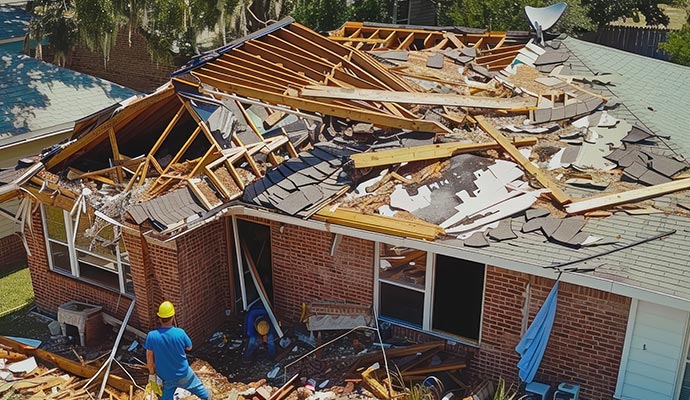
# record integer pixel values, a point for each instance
(533, 344)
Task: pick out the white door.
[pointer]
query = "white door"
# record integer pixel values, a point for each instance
(653, 351)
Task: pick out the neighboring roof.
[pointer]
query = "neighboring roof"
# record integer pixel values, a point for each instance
(36, 96)
(288, 121)
(14, 22)
(654, 91)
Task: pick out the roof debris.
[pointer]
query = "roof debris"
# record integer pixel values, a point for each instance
(408, 131)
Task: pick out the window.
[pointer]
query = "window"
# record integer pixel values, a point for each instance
(91, 252)
(430, 292)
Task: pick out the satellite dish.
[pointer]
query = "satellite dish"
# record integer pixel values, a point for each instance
(543, 18)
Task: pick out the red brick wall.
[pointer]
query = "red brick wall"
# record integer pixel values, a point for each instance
(205, 280)
(129, 66)
(586, 342)
(12, 253)
(52, 289)
(303, 269)
(190, 271)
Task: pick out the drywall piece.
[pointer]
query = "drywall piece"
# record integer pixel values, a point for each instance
(586, 183)
(23, 367)
(567, 229)
(504, 231)
(556, 160)
(536, 213)
(582, 122)
(361, 189)
(476, 240)
(506, 172)
(435, 61)
(402, 200)
(591, 156)
(502, 210)
(386, 210)
(652, 178)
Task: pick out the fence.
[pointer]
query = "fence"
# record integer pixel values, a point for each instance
(639, 40)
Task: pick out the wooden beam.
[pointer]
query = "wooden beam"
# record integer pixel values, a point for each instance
(599, 202)
(379, 223)
(440, 99)
(102, 130)
(375, 118)
(427, 152)
(116, 154)
(556, 193)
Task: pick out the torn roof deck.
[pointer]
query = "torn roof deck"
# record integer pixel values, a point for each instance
(503, 148)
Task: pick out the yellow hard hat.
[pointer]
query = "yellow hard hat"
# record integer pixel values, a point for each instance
(166, 310)
(262, 327)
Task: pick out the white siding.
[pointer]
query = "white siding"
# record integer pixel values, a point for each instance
(7, 225)
(655, 351)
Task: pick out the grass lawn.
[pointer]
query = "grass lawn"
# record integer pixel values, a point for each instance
(15, 291)
(677, 18)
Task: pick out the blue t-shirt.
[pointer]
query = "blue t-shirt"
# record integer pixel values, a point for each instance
(168, 346)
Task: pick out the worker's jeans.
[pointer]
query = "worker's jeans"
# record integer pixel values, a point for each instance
(255, 341)
(190, 382)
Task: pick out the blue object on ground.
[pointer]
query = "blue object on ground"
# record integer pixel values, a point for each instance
(29, 342)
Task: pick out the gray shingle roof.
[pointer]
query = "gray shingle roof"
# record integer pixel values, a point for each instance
(654, 92)
(35, 95)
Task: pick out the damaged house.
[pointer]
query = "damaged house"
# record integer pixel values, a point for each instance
(444, 177)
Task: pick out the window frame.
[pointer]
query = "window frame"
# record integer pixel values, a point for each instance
(73, 253)
(429, 284)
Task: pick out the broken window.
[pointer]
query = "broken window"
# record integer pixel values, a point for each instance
(424, 291)
(92, 252)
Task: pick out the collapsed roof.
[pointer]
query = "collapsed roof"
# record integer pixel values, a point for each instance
(479, 140)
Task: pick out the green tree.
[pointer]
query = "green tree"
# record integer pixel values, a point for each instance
(321, 15)
(604, 11)
(504, 15)
(677, 46)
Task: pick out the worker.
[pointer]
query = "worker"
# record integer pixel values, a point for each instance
(166, 357)
(258, 328)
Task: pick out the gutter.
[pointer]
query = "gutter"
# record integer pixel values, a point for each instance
(589, 281)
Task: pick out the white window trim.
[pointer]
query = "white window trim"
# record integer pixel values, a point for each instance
(427, 318)
(75, 272)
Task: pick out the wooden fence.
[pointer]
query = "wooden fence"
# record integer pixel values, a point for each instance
(638, 40)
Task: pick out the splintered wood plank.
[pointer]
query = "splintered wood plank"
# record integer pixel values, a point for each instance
(379, 223)
(556, 193)
(376, 118)
(427, 152)
(417, 98)
(116, 154)
(599, 202)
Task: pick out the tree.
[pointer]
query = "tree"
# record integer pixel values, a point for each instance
(509, 15)
(604, 11)
(321, 15)
(677, 46)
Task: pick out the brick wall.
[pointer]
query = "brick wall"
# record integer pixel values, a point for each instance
(129, 66)
(303, 269)
(204, 274)
(191, 271)
(52, 289)
(586, 341)
(12, 253)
